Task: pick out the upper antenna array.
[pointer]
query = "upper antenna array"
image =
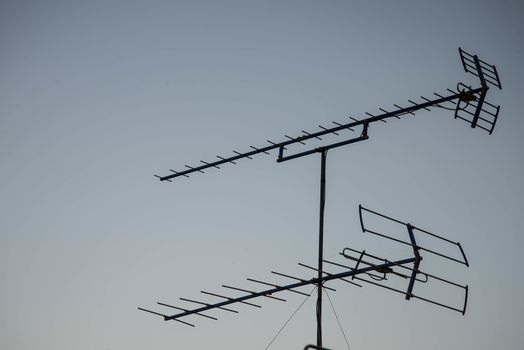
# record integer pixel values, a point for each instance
(469, 104)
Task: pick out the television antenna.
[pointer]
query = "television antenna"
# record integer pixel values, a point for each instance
(469, 104)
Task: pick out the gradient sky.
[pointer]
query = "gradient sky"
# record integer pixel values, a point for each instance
(97, 96)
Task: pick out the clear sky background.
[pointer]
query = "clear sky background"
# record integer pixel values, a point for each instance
(97, 96)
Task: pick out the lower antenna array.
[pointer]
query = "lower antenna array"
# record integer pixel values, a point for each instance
(359, 266)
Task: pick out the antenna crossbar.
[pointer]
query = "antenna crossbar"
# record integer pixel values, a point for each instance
(267, 292)
(307, 136)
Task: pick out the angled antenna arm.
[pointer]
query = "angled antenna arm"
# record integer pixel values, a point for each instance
(281, 146)
(465, 300)
(416, 264)
(267, 292)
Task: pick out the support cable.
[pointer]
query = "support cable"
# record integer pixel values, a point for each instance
(289, 319)
(338, 320)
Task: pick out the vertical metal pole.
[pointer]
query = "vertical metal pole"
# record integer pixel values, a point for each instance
(321, 244)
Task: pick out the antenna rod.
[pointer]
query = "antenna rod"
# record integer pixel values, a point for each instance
(290, 286)
(339, 127)
(321, 244)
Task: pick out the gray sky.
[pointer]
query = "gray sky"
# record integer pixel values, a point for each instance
(97, 96)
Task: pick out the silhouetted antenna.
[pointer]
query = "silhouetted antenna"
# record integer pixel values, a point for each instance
(470, 106)
(402, 275)
(412, 232)
(365, 267)
(358, 269)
